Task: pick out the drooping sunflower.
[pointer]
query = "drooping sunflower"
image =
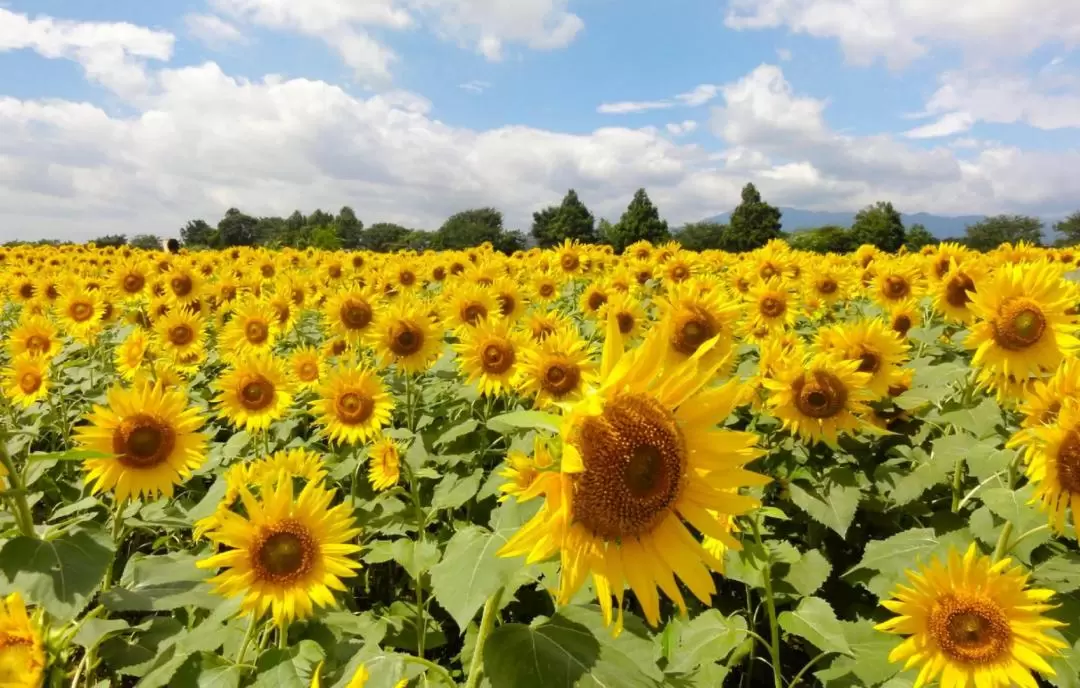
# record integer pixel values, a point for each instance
(384, 464)
(819, 397)
(307, 367)
(522, 472)
(904, 315)
(35, 334)
(490, 356)
(878, 350)
(130, 355)
(642, 458)
(254, 392)
(557, 370)
(22, 646)
(972, 622)
(953, 292)
(287, 554)
(350, 312)
(151, 439)
(252, 329)
(543, 323)
(1024, 326)
(353, 404)
(27, 380)
(406, 336)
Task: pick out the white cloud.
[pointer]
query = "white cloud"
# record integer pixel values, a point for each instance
(900, 31)
(490, 24)
(948, 125)
(783, 54)
(681, 128)
(629, 106)
(699, 96)
(212, 30)
(475, 86)
(1045, 101)
(113, 54)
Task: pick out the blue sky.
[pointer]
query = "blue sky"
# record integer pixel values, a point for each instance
(138, 115)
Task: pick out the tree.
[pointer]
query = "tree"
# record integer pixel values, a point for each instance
(469, 228)
(510, 241)
(198, 233)
(1069, 229)
(115, 240)
(383, 236)
(145, 241)
(919, 236)
(569, 220)
(349, 228)
(992, 232)
(880, 225)
(237, 229)
(701, 236)
(325, 238)
(827, 239)
(641, 221)
(754, 222)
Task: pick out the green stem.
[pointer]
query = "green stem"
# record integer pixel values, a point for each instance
(248, 637)
(409, 402)
(20, 508)
(809, 665)
(487, 622)
(958, 484)
(283, 635)
(117, 536)
(432, 666)
(1002, 547)
(770, 606)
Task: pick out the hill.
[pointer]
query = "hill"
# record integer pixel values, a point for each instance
(795, 219)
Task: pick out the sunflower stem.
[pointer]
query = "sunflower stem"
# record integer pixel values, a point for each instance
(283, 635)
(432, 666)
(770, 606)
(248, 637)
(1002, 547)
(809, 665)
(20, 508)
(487, 622)
(409, 402)
(117, 536)
(958, 484)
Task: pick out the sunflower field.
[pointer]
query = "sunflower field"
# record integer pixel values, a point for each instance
(557, 468)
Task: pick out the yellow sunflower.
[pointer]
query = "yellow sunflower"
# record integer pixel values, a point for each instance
(308, 367)
(629, 314)
(897, 280)
(878, 350)
(820, 397)
(150, 439)
(384, 459)
(288, 554)
(353, 404)
(254, 392)
(1023, 326)
(252, 329)
(593, 299)
(130, 278)
(467, 306)
(770, 305)
(406, 336)
(972, 622)
(542, 324)
(509, 297)
(489, 355)
(183, 284)
(544, 288)
(522, 472)
(557, 370)
(694, 315)
(180, 334)
(350, 312)
(22, 647)
(27, 380)
(36, 335)
(952, 294)
(80, 312)
(1054, 465)
(642, 459)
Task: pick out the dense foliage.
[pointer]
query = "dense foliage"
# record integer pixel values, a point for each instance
(553, 467)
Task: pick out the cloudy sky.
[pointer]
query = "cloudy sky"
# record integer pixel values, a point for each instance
(134, 116)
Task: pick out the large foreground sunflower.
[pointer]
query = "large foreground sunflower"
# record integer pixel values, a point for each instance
(642, 463)
(288, 553)
(150, 439)
(22, 651)
(972, 622)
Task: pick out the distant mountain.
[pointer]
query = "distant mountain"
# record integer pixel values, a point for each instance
(795, 219)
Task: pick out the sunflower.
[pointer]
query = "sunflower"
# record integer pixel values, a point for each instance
(490, 356)
(287, 554)
(692, 316)
(307, 368)
(878, 350)
(384, 458)
(252, 329)
(522, 472)
(770, 305)
(22, 647)
(36, 335)
(254, 392)
(405, 335)
(897, 280)
(557, 370)
(819, 397)
(952, 294)
(180, 334)
(678, 268)
(642, 459)
(1043, 399)
(572, 258)
(353, 404)
(22, 288)
(542, 324)
(544, 288)
(972, 622)
(130, 278)
(1054, 465)
(350, 312)
(80, 311)
(27, 380)
(628, 312)
(150, 439)
(1023, 324)
(468, 306)
(509, 297)
(830, 283)
(593, 299)
(183, 284)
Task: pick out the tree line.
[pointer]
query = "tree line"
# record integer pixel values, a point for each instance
(753, 223)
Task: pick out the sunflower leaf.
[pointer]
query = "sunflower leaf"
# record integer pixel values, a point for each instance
(524, 420)
(815, 621)
(707, 638)
(834, 505)
(808, 573)
(59, 574)
(289, 668)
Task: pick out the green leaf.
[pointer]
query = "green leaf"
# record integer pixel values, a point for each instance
(707, 638)
(563, 653)
(928, 470)
(815, 621)
(160, 583)
(454, 491)
(1060, 573)
(981, 421)
(809, 573)
(835, 504)
(289, 668)
(869, 660)
(93, 631)
(59, 574)
(467, 426)
(470, 571)
(415, 557)
(893, 556)
(69, 455)
(525, 420)
(1014, 506)
(206, 670)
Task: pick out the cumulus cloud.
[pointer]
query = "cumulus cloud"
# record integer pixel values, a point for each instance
(213, 31)
(1046, 102)
(681, 128)
(695, 97)
(947, 125)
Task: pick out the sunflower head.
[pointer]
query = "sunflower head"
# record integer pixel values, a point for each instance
(22, 647)
(254, 392)
(353, 404)
(384, 459)
(407, 336)
(490, 356)
(820, 397)
(27, 380)
(558, 369)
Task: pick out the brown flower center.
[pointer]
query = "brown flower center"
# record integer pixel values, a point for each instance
(869, 362)
(971, 630)
(901, 324)
(133, 283)
(626, 321)
(29, 382)
(497, 357)
(569, 262)
(679, 273)
(596, 300)
(547, 289)
(561, 376)
(507, 303)
(80, 311)
(692, 329)
(956, 290)
(181, 335)
(353, 407)
(1068, 462)
(143, 441)
(284, 552)
(772, 306)
(37, 344)
(407, 278)
(181, 285)
(635, 456)
(267, 270)
(339, 347)
(26, 291)
(355, 314)
(256, 332)
(896, 287)
(438, 274)
(308, 372)
(820, 394)
(405, 338)
(473, 312)
(1019, 325)
(827, 286)
(257, 393)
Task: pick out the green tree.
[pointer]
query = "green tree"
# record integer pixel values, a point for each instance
(881, 225)
(237, 229)
(198, 233)
(992, 232)
(754, 222)
(325, 238)
(148, 242)
(641, 221)
(1069, 229)
(827, 239)
(569, 220)
(510, 241)
(469, 228)
(919, 236)
(701, 236)
(383, 236)
(115, 240)
(349, 228)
